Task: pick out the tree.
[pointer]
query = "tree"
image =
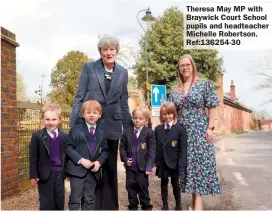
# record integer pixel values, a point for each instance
(263, 70)
(165, 47)
(65, 75)
(21, 88)
(261, 114)
(126, 56)
(132, 84)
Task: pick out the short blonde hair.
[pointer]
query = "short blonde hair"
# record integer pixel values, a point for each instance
(143, 110)
(91, 104)
(51, 107)
(170, 108)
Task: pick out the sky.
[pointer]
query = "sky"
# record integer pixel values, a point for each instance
(47, 29)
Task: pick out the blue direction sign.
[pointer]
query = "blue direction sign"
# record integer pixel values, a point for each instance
(158, 93)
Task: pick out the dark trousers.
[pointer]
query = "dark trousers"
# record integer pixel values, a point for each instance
(137, 185)
(82, 192)
(176, 190)
(108, 193)
(51, 192)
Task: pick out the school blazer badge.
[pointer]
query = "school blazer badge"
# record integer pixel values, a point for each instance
(174, 143)
(143, 145)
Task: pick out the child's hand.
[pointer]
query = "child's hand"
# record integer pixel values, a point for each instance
(34, 181)
(96, 166)
(148, 173)
(129, 162)
(86, 163)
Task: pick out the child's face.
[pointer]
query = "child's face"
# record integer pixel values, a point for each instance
(139, 120)
(167, 118)
(51, 120)
(91, 116)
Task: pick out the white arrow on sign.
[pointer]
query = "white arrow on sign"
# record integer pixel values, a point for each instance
(156, 92)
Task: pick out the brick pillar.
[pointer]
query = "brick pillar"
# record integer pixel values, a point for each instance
(9, 136)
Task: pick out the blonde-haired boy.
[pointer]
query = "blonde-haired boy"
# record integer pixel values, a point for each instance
(47, 158)
(138, 151)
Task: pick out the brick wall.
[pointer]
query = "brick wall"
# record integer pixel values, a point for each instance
(236, 120)
(9, 138)
(229, 119)
(266, 125)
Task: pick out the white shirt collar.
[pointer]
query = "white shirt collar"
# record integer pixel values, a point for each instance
(170, 123)
(139, 129)
(88, 125)
(51, 134)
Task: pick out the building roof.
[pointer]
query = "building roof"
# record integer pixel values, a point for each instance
(235, 104)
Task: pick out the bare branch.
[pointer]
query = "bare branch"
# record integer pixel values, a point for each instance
(263, 74)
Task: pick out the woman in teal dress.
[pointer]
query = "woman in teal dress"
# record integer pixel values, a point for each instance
(191, 96)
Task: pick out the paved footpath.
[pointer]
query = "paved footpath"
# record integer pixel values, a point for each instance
(244, 169)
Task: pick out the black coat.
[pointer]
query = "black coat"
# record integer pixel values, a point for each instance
(78, 146)
(39, 154)
(146, 150)
(173, 146)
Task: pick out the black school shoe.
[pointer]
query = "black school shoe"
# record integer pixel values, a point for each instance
(148, 207)
(132, 207)
(165, 207)
(178, 208)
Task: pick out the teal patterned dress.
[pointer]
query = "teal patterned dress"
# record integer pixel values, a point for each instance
(201, 176)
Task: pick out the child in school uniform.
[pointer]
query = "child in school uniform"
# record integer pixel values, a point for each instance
(87, 150)
(137, 151)
(171, 149)
(47, 159)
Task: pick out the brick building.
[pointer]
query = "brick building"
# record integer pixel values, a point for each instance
(266, 125)
(9, 136)
(231, 116)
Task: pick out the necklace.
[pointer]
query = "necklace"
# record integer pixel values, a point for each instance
(108, 75)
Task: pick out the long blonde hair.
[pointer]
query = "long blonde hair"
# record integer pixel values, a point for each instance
(195, 74)
(170, 108)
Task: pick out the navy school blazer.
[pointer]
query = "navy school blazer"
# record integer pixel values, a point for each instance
(39, 154)
(77, 146)
(146, 150)
(173, 146)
